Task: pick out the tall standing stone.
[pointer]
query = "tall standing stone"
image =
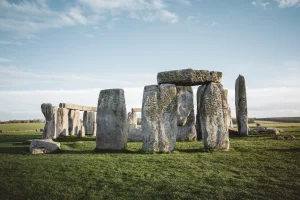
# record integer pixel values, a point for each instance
(228, 116)
(241, 105)
(74, 122)
(167, 108)
(185, 114)
(111, 120)
(62, 126)
(88, 122)
(212, 112)
(150, 118)
(50, 113)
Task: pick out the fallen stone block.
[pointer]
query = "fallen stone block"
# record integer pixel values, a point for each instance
(43, 146)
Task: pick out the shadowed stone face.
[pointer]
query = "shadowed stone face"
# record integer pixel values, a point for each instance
(62, 126)
(88, 122)
(112, 129)
(74, 122)
(241, 105)
(212, 112)
(50, 113)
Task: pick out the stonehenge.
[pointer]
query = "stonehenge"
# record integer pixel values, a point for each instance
(241, 105)
(167, 114)
(111, 120)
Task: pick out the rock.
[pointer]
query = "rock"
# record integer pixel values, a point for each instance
(62, 125)
(241, 105)
(95, 129)
(228, 118)
(260, 129)
(133, 116)
(188, 77)
(233, 132)
(285, 137)
(50, 113)
(212, 109)
(27, 141)
(289, 137)
(253, 132)
(41, 130)
(112, 129)
(185, 114)
(77, 107)
(167, 108)
(272, 131)
(278, 137)
(43, 146)
(74, 122)
(150, 118)
(135, 134)
(81, 133)
(139, 121)
(88, 122)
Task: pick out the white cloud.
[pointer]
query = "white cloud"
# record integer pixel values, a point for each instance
(288, 3)
(259, 3)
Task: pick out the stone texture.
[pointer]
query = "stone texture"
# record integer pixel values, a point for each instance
(88, 122)
(260, 129)
(112, 129)
(134, 134)
(241, 105)
(272, 130)
(77, 107)
(81, 132)
(50, 113)
(95, 129)
(62, 125)
(188, 77)
(212, 109)
(185, 114)
(74, 122)
(150, 118)
(43, 146)
(228, 117)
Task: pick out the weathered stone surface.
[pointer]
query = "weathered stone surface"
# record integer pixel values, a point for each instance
(150, 118)
(185, 114)
(62, 125)
(241, 105)
(112, 129)
(139, 121)
(88, 122)
(253, 132)
(95, 129)
(167, 108)
(50, 113)
(270, 130)
(260, 129)
(233, 132)
(74, 122)
(212, 109)
(43, 146)
(81, 132)
(188, 77)
(77, 107)
(135, 134)
(136, 110)
(228, 116)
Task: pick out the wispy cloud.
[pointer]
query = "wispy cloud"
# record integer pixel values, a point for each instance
(262, 4)
(288, 3)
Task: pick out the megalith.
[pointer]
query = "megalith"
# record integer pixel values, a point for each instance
(88, 122)
(228, 116)
(185, 114)
(74, 122)
(212, 113)
(50, 113)
(62, 126)
(134, 133)
(112, 129)
(241, 105)
(150, 118)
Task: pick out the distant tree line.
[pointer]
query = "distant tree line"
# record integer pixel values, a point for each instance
(250, 120)
(22, 121)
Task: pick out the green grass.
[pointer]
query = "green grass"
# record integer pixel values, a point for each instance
(22, 127)
(256, 167)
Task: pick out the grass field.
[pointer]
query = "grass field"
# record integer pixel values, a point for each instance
(22, 127)
(256, 167)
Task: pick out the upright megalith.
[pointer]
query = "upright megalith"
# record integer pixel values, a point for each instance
(50, 113)
(112, 129)
(159, 118)
(228, 112)
(74, 122)
(150, 118)
(241, 105)
(62, 125)
(134, 132)
(212, 112)
(88, 122)
(185, 114)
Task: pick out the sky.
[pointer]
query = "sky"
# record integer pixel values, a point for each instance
(67, 51)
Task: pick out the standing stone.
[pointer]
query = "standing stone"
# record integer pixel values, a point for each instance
(50, 113)
(111, 120)
(150, 118)
(62, 127)
(228, 115)
(185, 114)
(167, 104)
(81, 132)
(212, 112)
(133, 119)
(88, 122)
(95, 129)
(74, 122)
(241, 105)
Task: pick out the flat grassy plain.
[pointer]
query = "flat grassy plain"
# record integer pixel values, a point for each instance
(256, 167)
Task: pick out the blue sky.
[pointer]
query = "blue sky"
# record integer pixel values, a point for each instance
(55, 51)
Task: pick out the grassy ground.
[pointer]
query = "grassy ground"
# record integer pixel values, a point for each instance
(22, 127)
(256, 167)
